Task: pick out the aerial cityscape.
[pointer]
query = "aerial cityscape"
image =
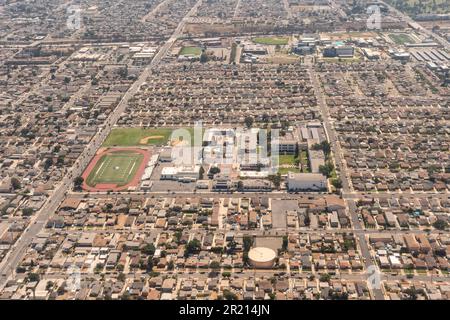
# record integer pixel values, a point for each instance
(224, 150)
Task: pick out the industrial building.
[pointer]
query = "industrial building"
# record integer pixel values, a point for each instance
(340, 51)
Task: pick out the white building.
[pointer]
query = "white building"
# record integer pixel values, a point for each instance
(306, 182)
(183, 173)
(287, 144)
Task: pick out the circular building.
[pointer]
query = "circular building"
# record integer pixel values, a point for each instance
(261, 257)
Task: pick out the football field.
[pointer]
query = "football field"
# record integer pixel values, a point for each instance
(117, 168)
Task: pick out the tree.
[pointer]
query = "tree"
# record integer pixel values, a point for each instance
(149, 249)
(201, 173)
(248, 121)
(324, 146)
(228, 295)
(334, 295)
(411, 294)
(326, 169)
(177, 235)
(48, 163)
(325, 277)
(78, 182)
(15, 183)
(214, 265)
(247, 243)
(99, 267)
(149, 266)
(27, 211)
(214, 170)
(49, 285)
(440, 224)
(337, 183)
(193, 246)
(203, 57)
(121, 277)
(123, 72)
(275, 179)
(285, 243)
(125, 296)
(33, 277)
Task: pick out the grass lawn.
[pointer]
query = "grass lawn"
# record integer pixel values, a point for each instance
(128, 137)
(287, 160)
(136, 137)
(190, 51)
(271, 40)
(420, 271)
(116, 168)
(401, 38)
(408, 271)
(283, 171)
(341, 60)
(304, 161)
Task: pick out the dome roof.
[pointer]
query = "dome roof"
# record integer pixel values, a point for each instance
(261, 254)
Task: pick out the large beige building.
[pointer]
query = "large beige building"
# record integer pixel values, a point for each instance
(261, 257)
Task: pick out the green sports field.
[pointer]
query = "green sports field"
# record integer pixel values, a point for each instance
(190, 51)
(271, 40)
(115, 168)
(128, 137)
(401, 38)
(137, 136)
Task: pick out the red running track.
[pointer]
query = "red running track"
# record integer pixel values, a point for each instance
(114, 187)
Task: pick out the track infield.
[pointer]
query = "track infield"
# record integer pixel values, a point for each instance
(115, 169)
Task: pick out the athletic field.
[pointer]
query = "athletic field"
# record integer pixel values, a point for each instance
(115, 168)
(190, 51)
(137, 136)
(401, 38)
(271, 40)
(130, 137)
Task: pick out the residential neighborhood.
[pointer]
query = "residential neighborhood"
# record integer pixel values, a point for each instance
(224, 150)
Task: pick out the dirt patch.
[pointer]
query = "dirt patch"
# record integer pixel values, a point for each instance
(146, 139)
(178, 142)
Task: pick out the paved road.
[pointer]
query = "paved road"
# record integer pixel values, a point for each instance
(344, 175)
(384, 195)
(155, 10)
(335, 146)
(15, 255)
(202, 194)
